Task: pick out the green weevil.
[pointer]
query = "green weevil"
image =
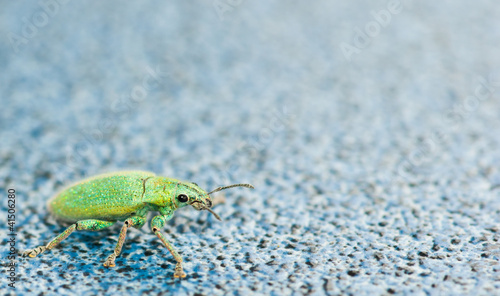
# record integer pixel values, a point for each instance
(99, 202)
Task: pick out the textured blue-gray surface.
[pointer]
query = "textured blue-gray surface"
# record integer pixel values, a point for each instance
(369, 128)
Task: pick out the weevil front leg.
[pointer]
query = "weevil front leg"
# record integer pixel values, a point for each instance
(92, 225)
(135, 221)
(157, 224)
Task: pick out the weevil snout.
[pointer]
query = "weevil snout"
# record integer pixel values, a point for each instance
(208, 201)
(205, 204)
(208, 205)
(201, 204)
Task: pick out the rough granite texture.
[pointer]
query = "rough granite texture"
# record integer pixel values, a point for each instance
(377, 171)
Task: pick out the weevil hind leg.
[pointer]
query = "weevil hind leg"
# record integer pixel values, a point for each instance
(156, 224)
(38, 250)
(136, 222)
(92, 225)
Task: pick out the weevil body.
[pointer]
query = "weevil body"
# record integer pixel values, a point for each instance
(99, 202)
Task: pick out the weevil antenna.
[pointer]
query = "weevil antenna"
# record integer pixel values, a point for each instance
(213, 213)
(230, 186)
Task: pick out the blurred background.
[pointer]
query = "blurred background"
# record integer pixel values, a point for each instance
(369, 128)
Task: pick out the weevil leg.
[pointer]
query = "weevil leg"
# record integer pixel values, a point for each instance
(39, 250)
(93, 225)
(135, 221)
(156, 224)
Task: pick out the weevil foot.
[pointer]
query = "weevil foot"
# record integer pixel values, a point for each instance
(34, 252)
(110, 262)
(179, 273)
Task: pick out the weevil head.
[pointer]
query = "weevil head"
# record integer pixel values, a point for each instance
(188, 193)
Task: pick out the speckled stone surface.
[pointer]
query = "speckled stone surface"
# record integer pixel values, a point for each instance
(370, 130)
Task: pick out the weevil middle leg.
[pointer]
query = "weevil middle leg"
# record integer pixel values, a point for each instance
(135, 221)
(92, 225)
(157, 224)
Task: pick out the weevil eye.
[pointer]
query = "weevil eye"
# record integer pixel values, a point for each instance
(182, 198)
